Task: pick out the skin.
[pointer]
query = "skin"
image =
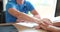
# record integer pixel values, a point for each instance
(20, 1)
(57, 24)
(50, 27)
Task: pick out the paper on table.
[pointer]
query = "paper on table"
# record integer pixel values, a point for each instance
(55, 19)
(27, 24)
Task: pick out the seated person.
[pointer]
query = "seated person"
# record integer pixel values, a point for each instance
(16, 10)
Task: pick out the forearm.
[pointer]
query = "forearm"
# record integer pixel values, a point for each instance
(21, 15)
(54, 29)
(57, 24)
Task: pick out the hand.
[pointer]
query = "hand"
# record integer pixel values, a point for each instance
(45, 23)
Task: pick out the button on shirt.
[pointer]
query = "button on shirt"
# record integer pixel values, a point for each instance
(27, 6)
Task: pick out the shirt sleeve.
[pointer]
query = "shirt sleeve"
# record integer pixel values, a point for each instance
(9, 17)
(30, 6)
(10, 5)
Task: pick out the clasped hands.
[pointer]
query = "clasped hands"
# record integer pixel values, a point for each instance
(42, 23)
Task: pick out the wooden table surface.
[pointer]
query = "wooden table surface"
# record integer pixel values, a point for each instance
(24, 29)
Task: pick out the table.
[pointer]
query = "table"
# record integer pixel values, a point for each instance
(23, 28)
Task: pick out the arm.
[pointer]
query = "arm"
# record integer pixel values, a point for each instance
(49, 27)
(57, 24)
(11, 9)
(21, 15)
(31, 8)
(35, 13)
(54, 29)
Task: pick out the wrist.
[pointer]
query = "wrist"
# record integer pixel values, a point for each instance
(37, 16)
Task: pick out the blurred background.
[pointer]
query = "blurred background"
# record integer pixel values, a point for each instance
(46, 8)
(1, 12)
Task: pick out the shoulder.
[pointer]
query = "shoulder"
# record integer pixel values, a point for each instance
(10, 3)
